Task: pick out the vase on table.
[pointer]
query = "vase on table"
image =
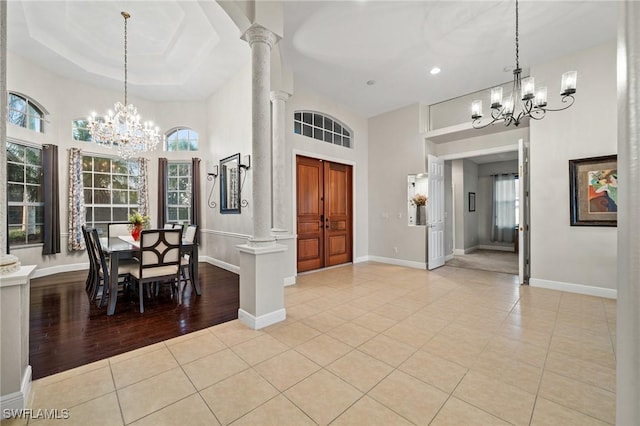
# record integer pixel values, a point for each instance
(135, 232)
(421, 215)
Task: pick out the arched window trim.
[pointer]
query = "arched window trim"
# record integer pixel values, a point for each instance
(176, 129)
(43, 112)
(335, 132)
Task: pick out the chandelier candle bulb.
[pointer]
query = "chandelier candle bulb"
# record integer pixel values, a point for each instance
(476, 109)
(569, 80)
(541, 97)
(528, 88)
(508, 106)
(496, 97)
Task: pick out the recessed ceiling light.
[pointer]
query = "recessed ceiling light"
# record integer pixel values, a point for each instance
(371, 82)
(435, 70)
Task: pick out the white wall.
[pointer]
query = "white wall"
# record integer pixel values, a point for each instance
(562, 254)
(464, 176)
(457, 179)
(396, 149)
(470, 217)
(228, 133)
(448, 209)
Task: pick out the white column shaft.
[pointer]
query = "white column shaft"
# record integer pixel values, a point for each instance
(628, 306)
(3, 124)
(261, 40)
(279, 175)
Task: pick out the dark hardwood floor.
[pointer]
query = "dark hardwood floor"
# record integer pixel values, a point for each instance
(66, 331)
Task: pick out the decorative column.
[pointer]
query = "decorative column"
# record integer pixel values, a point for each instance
(280, 179)
(3, 125)
(261, 259)
(279, 175)
(261, 41)
(628, 305)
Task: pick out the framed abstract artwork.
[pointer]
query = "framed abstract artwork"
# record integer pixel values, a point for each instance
(593, 191)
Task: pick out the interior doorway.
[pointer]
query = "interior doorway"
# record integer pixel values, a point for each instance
(472, 225)
(324, 219)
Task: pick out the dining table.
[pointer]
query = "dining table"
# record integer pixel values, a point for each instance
(124, 247)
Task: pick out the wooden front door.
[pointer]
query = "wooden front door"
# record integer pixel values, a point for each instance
(324, 218)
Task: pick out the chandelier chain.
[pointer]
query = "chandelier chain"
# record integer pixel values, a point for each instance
(517, 39)
(121, 127)
(126, 17)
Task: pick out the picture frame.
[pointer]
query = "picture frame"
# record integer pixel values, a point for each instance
(472, 201)
(593, 191)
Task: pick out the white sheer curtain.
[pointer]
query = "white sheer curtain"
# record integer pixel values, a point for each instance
(503, 219)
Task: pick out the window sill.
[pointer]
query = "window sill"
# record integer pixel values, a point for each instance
(25, 246)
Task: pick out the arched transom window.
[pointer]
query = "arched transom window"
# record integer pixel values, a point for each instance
(25, 112)
(182, 139)
(322, 127)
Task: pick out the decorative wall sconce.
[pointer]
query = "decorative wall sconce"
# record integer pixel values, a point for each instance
(213, 176)
(245, 165)
(246, 162)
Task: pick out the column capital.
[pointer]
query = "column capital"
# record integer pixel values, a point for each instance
(259, 34)
(279, 95)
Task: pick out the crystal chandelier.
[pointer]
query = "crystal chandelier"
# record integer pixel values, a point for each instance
(121, 128)
(533, 104)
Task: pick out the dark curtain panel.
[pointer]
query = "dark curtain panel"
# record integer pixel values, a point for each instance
(162, 192)
(195, 194)
(51, 199)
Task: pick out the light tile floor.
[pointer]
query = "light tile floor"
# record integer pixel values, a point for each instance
(368, 344)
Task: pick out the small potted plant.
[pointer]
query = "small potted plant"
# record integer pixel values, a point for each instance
(137, 223)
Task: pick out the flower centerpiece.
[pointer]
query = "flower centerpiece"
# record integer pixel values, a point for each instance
(420, 201)
(137, 223)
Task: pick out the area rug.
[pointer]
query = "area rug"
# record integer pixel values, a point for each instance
(487, 260)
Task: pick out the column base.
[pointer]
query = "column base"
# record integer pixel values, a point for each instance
(285, 238)
(261, 242)
(256, 323)
(17, 401)
(261, 285)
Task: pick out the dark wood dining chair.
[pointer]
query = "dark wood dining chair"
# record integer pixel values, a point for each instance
(92, 275)
(158, 260)
(100, 290)
(187, 261)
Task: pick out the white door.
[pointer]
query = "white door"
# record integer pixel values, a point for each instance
(523, 220)
(435, 220)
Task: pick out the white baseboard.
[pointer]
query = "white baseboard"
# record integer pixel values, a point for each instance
(361, 259)
(400, 262)
(448, 257)
(256, 323)
(289, 281)
(16, 401)
(43, 272)
(220, 264)
(460, 252)
(608, 293)
(498, 248)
